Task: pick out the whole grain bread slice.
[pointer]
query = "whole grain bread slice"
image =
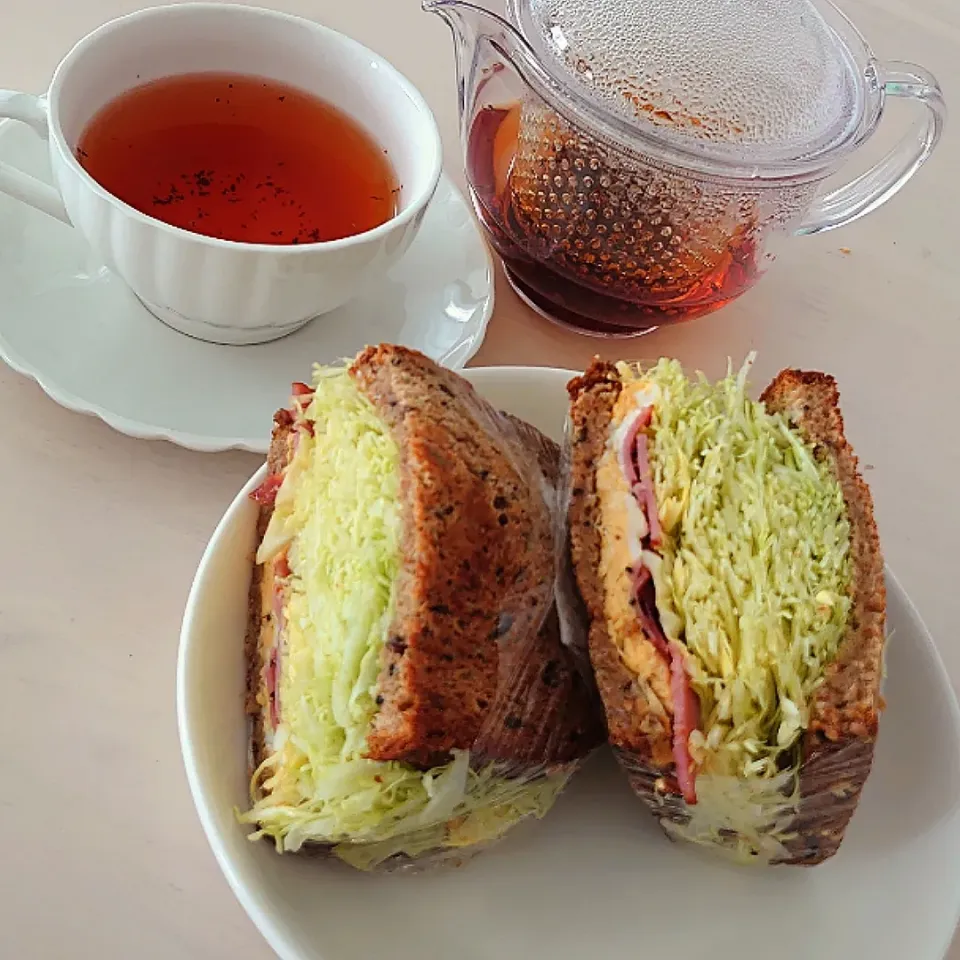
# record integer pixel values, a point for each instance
(261, 615)
(838, 744)
(474, 659)
(837, 748)
(478, 555)
(634, 724)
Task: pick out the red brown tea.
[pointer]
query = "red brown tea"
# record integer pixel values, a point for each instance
(601, 277)
(240, 158)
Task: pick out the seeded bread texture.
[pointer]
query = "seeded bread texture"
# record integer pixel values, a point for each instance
(478, 555)
(837, 751)
(488, 670)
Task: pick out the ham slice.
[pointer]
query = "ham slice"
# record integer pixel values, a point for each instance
(640, 422)
(266, 493)
(645, 602)
(686, 706)
(635, 456)
(281, 566)
(644, 492)
(641, 577)
(686, 719)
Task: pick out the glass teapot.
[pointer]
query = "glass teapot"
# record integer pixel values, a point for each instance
(636, 163)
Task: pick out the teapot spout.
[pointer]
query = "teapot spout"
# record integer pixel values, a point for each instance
(470, 24)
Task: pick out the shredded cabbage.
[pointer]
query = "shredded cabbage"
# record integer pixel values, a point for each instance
(747, 818)
(754, 580)
(492, 806)
(338, 511)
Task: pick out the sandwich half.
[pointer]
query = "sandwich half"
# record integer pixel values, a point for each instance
(409, 694)
(726, 553)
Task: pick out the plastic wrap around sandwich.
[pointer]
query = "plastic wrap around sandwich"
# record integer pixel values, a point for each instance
(727, 556)
(409, 694)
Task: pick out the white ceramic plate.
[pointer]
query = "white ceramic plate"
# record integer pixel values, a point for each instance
(596, 878)
(91, 345)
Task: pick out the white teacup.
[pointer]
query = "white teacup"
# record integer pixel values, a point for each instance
(220, 290)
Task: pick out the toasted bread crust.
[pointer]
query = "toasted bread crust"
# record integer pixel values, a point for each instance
(837, 748)
(477, 569)
(838, 744)
(848, 703)
(633, 726)
(254, 661)
(260, 622)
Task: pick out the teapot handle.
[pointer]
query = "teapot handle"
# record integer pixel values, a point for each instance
(882, 181)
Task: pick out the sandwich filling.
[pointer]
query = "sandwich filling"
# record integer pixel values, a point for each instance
(727, 571)
(334, 542)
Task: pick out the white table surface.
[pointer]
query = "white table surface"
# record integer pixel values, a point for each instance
(102, 854)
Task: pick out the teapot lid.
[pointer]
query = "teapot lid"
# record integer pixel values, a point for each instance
(755, 79)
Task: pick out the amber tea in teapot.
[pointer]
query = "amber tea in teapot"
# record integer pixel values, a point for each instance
(589, 246)
(635, 164)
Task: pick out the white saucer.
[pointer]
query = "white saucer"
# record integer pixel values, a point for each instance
(85, 338)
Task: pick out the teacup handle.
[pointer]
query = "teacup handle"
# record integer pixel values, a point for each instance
(882, 181)
(32, 111)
